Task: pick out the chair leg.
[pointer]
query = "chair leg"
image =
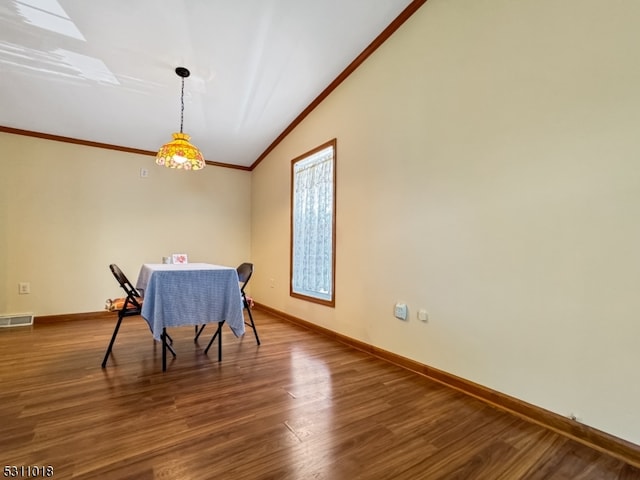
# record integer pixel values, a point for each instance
(253, 325)
(217, 335)
(113, 339)
(169, 347)
(199, 331)
(164, 349)
(165, 346)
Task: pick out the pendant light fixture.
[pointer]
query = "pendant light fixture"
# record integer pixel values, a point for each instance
(179, 153)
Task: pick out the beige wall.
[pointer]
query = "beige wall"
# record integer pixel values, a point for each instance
(68, 211)
(488, 172)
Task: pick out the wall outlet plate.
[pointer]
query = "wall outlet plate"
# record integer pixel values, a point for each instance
(401, 311)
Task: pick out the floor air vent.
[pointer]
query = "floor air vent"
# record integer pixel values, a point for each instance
(18, 320)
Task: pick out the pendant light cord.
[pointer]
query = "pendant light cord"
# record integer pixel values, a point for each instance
(182, 106)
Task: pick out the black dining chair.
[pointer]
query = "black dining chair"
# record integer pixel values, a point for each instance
(245, 271)
(129, 306)
(244, 275)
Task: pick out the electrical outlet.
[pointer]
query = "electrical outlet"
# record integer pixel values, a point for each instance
(144, 173)
(423, 315)
(24, 288)
(400, 311)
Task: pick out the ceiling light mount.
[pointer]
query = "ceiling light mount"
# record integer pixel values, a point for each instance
(182, 72)
(179, 153)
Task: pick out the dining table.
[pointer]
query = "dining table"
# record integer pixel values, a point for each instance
(189, 294)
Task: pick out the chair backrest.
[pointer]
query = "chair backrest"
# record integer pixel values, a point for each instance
(244, 274)
(133, 296)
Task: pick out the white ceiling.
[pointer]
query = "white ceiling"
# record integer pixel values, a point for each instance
(104, 70)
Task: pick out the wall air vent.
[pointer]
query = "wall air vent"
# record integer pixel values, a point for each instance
(17, 320)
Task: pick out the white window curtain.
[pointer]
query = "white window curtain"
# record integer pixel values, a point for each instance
(313, 225)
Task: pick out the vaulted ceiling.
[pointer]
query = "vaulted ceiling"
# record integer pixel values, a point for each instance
(103, 71)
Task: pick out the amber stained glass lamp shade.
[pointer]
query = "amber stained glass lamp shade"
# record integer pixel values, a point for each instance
(180, 153)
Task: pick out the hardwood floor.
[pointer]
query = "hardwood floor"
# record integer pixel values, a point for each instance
(300, 406)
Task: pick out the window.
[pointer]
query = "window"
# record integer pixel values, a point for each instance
(313, 222)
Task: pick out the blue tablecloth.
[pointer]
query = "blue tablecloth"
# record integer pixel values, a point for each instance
(190, 294)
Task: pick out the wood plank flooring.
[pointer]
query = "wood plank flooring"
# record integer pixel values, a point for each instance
(300, 406)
